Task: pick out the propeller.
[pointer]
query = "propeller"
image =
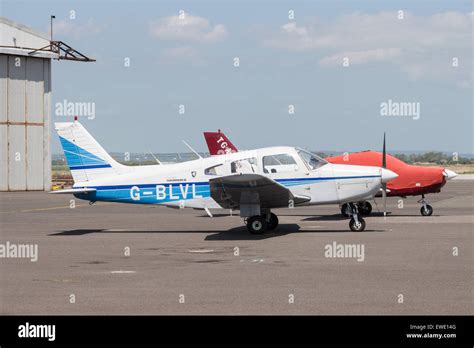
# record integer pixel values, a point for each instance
(384, 185)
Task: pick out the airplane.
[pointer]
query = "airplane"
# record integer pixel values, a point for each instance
(412, 180)
(255, 181)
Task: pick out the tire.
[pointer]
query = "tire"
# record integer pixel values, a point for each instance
(357, 226)
(256, 224)
(344, 208)
(365, 208)
(426, 211)
(273, 223)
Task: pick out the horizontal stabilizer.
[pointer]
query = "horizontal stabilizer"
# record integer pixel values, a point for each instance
(74, 190)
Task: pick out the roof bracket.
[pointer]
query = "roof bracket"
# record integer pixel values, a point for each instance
(64, 52)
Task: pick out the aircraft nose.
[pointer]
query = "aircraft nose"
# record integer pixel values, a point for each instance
(449, 174)
(388, 175)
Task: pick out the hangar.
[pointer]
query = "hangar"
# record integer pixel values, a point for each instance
(25, 105)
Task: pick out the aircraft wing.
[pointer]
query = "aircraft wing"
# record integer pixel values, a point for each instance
(236, 191)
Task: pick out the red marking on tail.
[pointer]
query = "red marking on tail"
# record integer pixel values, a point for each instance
(218, 144)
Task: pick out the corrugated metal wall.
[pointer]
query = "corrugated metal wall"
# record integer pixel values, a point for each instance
(25, 104)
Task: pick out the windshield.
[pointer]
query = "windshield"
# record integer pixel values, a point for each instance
(312, 161)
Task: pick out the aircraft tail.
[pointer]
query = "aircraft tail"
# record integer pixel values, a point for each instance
(87, 160)
(218, 143)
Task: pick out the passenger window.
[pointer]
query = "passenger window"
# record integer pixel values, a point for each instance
(215, 170)
(281, 163)
(248, 165)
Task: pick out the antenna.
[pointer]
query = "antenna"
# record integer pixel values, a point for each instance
(156, 159)
(51, 23)
(185, 143)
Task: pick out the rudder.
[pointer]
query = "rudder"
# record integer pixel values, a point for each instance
(86, 159)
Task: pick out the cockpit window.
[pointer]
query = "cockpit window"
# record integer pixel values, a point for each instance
(280, 163)
(311, 160)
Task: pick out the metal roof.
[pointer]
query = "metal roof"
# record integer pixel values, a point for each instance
(19, 40)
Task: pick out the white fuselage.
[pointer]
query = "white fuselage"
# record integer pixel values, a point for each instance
(187, 184)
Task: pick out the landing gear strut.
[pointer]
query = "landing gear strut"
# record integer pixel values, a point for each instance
(258, 224)
(357, 223)
(426, 209)
(364, 208)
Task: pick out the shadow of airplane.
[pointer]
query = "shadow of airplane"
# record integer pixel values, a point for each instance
(218, 215)
(236, 233)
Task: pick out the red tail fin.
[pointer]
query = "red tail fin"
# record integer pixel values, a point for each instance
(218, 143)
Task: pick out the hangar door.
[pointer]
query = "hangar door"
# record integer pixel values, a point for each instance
(24, 116)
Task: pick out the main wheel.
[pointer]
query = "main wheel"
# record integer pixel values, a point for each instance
(273, 223)
(256, 224)
(357, 226)
(426, 210)
(365, 208)
(345, 209)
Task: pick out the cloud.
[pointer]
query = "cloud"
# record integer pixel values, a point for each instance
(361, 57)
(187, 28)
(358, 31)
(420, 45)
(71, 28)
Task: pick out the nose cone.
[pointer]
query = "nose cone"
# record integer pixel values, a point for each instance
(449, 174)
(388, 175)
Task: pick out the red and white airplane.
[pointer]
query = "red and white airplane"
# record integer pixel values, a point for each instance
(412, 180)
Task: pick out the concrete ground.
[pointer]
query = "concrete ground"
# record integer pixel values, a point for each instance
(183, 262)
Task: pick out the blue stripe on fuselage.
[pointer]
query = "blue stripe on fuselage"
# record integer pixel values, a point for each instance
(281, 181)
(179, 191)
(90, 167)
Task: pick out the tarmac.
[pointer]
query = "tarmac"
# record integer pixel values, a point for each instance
(113, 258)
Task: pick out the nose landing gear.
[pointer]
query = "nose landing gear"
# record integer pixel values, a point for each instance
(357, 223)
(426, 209)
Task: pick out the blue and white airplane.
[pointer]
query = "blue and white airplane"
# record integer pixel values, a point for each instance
(254, 182)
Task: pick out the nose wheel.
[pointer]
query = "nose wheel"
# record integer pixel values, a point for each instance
(426, 209)
(357, 225)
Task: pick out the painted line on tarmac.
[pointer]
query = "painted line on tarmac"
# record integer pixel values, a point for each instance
(253, 260)
(122, 272)
(201, 251)
(50, 208)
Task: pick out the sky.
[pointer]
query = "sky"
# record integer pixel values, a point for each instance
(339, 65)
